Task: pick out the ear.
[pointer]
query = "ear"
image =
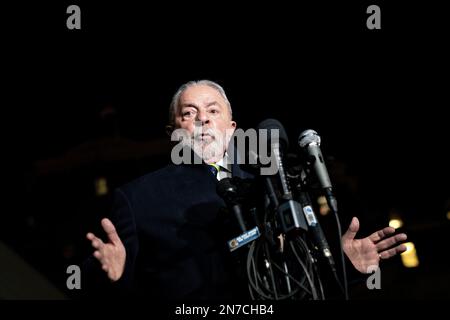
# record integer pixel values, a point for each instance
(233, 124)
(169, 129)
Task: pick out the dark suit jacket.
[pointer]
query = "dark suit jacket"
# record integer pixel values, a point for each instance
(174, 228)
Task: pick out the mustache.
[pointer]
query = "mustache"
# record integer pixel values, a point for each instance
(208, 132)
(198, 134)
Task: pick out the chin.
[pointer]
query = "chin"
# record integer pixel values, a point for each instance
(211, 154)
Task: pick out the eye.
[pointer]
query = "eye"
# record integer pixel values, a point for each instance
(214, 111)
(188, 113)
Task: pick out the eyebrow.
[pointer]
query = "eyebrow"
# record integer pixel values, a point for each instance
(212, 103)
(192, 105)
(188, 105)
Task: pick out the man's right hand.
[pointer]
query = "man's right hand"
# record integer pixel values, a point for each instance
(112, 254)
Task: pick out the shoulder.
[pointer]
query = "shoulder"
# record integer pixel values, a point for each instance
(149, 179)
(160, 187)
(170, 175)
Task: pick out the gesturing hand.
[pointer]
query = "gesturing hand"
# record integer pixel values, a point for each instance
(369, 251)
(111, 254)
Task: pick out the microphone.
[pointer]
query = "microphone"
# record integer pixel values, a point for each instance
(278, 145)
(289, 210)
(315, 229)
(228, 191)
(309, 140)
(297, 172)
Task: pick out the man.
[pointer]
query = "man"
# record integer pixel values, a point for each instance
(167, 239)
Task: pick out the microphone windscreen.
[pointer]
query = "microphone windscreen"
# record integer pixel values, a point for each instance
(307, 137)
(226, 189)
(273, 124)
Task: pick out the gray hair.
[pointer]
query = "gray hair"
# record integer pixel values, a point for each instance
(176, 97)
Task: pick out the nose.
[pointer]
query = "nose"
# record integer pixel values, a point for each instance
(203, 117)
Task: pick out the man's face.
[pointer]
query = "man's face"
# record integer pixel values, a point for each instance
(204, 114)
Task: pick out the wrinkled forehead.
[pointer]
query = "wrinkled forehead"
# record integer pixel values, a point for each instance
(201, 96)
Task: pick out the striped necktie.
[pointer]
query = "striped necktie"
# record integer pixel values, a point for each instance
(214, 168)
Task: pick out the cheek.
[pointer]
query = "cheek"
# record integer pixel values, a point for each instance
(225, 128)
(219, 123)
(224, 125)
(186, 125)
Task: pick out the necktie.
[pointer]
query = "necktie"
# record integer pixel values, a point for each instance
(214, 168)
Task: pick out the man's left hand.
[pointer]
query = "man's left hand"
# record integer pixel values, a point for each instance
(365, 252)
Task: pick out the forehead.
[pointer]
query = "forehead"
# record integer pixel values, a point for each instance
(201, 94)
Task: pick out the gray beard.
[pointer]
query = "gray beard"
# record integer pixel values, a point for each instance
(208, 152)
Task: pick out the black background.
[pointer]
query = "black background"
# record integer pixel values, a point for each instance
(378, 98)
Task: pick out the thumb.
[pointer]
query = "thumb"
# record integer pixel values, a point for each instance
(352, 230)
(110, 231)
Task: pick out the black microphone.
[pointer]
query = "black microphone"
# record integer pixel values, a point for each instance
(228, 191)
(315, 229)
(309, 141)
(277, 146)
(289, 210)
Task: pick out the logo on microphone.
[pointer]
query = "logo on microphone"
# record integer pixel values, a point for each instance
(243, 239)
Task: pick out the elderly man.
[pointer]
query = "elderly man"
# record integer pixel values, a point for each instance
(166, 237)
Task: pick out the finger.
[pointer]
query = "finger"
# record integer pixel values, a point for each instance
(98, 255)
(97, 243)
(380, 234)
(110, 231)
(90, 236)
(105, 268)
(352, 230)
(389, 242)
(392, 252)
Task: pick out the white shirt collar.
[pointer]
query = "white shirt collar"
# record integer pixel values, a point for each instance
(225, 162)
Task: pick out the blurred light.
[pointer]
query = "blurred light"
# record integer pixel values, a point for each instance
(101, 186)
(448, 215)
(322, 200)
(409, 257)
(396, 223)
(324, 209)
(395, 220)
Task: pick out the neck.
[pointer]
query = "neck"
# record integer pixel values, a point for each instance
(213, 160)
